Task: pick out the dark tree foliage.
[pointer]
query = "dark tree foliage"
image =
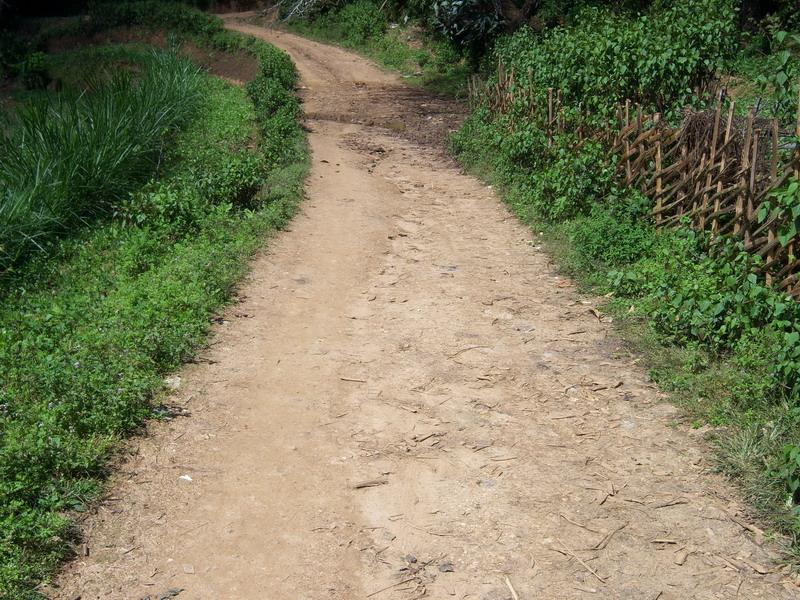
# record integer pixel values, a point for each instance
(49, 8)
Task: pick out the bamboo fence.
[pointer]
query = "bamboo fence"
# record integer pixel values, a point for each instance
(714, 171)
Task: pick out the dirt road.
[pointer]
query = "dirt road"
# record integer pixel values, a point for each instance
(409, 402)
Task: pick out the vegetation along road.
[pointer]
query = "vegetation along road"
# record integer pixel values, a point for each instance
(408, 401)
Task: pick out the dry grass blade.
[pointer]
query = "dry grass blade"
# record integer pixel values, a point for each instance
(569, 552)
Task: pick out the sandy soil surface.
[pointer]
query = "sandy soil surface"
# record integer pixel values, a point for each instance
(408, 402)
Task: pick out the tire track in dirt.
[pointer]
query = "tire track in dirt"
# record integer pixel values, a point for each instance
(408, 402)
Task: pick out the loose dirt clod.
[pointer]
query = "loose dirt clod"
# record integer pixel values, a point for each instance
(277, 435)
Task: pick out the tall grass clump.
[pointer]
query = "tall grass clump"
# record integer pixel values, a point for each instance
(70, 157)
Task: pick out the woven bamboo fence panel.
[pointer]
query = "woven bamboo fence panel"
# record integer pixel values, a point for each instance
(715, 171)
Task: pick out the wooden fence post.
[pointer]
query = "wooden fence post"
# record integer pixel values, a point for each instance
(640, 147)
(659, 181)
(559, 116)
(531, 94)
(744, 167)
(627, 146)
(697, 189)
(722, 165)
(682, 189)
(749, 209)
(711, 162)
(790, 246)
(773, 178)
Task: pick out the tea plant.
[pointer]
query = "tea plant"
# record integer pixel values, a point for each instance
(661, 58)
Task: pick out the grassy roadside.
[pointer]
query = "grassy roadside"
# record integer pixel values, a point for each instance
(719, 342)
(363, 26)
(89, 330)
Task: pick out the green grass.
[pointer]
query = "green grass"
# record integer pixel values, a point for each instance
(754, 82)
(420, 58)
(89, 330)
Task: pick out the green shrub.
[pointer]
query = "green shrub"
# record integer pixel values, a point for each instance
(363, 21)
(788, 471)
(172, 16)
(164, 204)
(612, 236)
(33, 71)
(13, 49)
(236, 181)
(352, 24)
(469, 24)
(712, 297)
(657, 59)
(276, 108)
(571, 182)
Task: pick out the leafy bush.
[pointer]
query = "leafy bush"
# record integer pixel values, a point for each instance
(711, 297)
(13, 49)
(364, 21)
(780, 79)
(657, 59)
(571, 181)
(613, 234)
(352, 24)
(788, 470)
(276, 108)
(173, 16)
(469, 24)
(70, 158)
(33, 71)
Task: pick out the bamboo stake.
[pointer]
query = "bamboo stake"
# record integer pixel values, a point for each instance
(698, 186)
(559, 114)
(684, 178)
(510, 90)
(744, 167)
(722, 165)
(628, 173)
(531, 94)
(549, 117)
(639, 125)
(713, 156)
(773, 177)
(749, 209)
(659, 183)
(773, 169)
(790, 246)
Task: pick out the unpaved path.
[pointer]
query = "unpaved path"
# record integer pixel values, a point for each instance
(408, 402)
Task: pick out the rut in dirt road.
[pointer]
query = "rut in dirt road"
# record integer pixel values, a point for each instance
(408, 402)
